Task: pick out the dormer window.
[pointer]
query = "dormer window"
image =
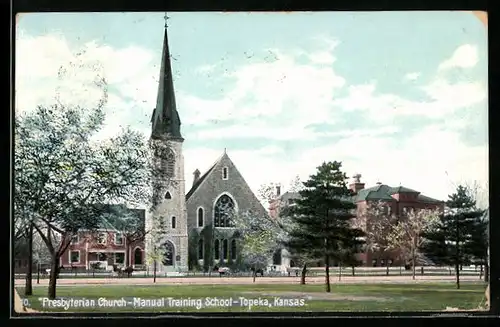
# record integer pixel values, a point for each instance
(225, 173)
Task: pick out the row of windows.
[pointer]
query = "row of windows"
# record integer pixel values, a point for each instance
(219, 251)
(119, 257)
(102, 238)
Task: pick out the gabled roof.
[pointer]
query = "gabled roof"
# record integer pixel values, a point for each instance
(202, 178)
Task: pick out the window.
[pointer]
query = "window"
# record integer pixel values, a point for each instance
(374, 262)
(102, 238)
(200, 217)
(224, 212)
(382, 262)
(224, 249)
(173, 222)
(200, 249)
(233, 249)
(168, 196)
(75, 239)
(74, 257)
(408, 210)
(277, 257)
(118, 239)
(224, 173)
(102, 257)
(216, 249)
(120, 258)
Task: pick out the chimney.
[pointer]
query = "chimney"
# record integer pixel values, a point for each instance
(196, 176)
(356, 185)
(278, 190)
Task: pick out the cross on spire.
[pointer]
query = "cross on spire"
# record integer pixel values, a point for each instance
(166, 18)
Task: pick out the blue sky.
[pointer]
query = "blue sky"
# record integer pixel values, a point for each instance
(400, 97)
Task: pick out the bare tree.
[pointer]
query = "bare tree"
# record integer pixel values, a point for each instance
(407, 234)
(377, 221)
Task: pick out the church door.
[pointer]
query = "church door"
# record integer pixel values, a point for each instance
(168, 256)
(138, 256)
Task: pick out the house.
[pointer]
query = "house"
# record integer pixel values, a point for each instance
(398, 201)
(116, 241)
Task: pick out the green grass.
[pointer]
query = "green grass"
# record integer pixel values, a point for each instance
(363, 297)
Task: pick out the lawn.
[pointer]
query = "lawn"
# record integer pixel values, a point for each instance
(343, 297)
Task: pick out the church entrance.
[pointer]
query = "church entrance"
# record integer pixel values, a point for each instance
(138, 256)
(168, 256)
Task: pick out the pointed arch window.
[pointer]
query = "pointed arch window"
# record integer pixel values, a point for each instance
(168, 196)
(166, 159)
(233, 250)
(225, 173)
(224, 212)
(224, 249)
(201, 217)
(216, 249)
(200, 249)
(174, 222)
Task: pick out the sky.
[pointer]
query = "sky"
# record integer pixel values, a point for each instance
(398, 97)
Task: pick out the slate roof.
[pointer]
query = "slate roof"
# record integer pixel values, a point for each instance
(383, 193)
(201, 179)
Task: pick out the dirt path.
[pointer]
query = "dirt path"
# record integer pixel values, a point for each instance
(249, 280)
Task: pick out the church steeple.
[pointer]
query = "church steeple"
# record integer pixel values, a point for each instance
(165, 121)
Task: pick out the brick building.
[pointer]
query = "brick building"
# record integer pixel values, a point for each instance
(398, 201)
(110, 244)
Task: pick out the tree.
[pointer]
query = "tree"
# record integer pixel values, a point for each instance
(456, 234)
(377, 223)
(408, 232)
(156, 251)
(63, 172)
(323, 215)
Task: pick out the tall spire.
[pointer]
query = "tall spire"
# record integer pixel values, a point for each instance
(166, 123)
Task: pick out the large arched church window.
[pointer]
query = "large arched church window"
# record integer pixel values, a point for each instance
(224, 212)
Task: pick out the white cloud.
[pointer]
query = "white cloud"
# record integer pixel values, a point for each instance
(282, 97)
(465, 56)
(412, 76)
(131, 91)
(445, 99)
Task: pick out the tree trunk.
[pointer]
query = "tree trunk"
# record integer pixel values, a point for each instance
(28, 289)
(413, 263)
(128, 256)
(327, 275)
(54, 271)
(486, 272)
(254, 275)
(353, 273)
(340, 271)
(481, 272)
(38, 273)
(303, 275)
(387, 267)
(154, 271)
(457, 252)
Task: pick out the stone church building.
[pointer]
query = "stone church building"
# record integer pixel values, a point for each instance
(200, 231)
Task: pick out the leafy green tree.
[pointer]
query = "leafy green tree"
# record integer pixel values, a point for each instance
(63, 172)
(453, 240)
(322, 216)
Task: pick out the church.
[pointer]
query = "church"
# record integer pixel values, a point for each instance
(200, 233)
